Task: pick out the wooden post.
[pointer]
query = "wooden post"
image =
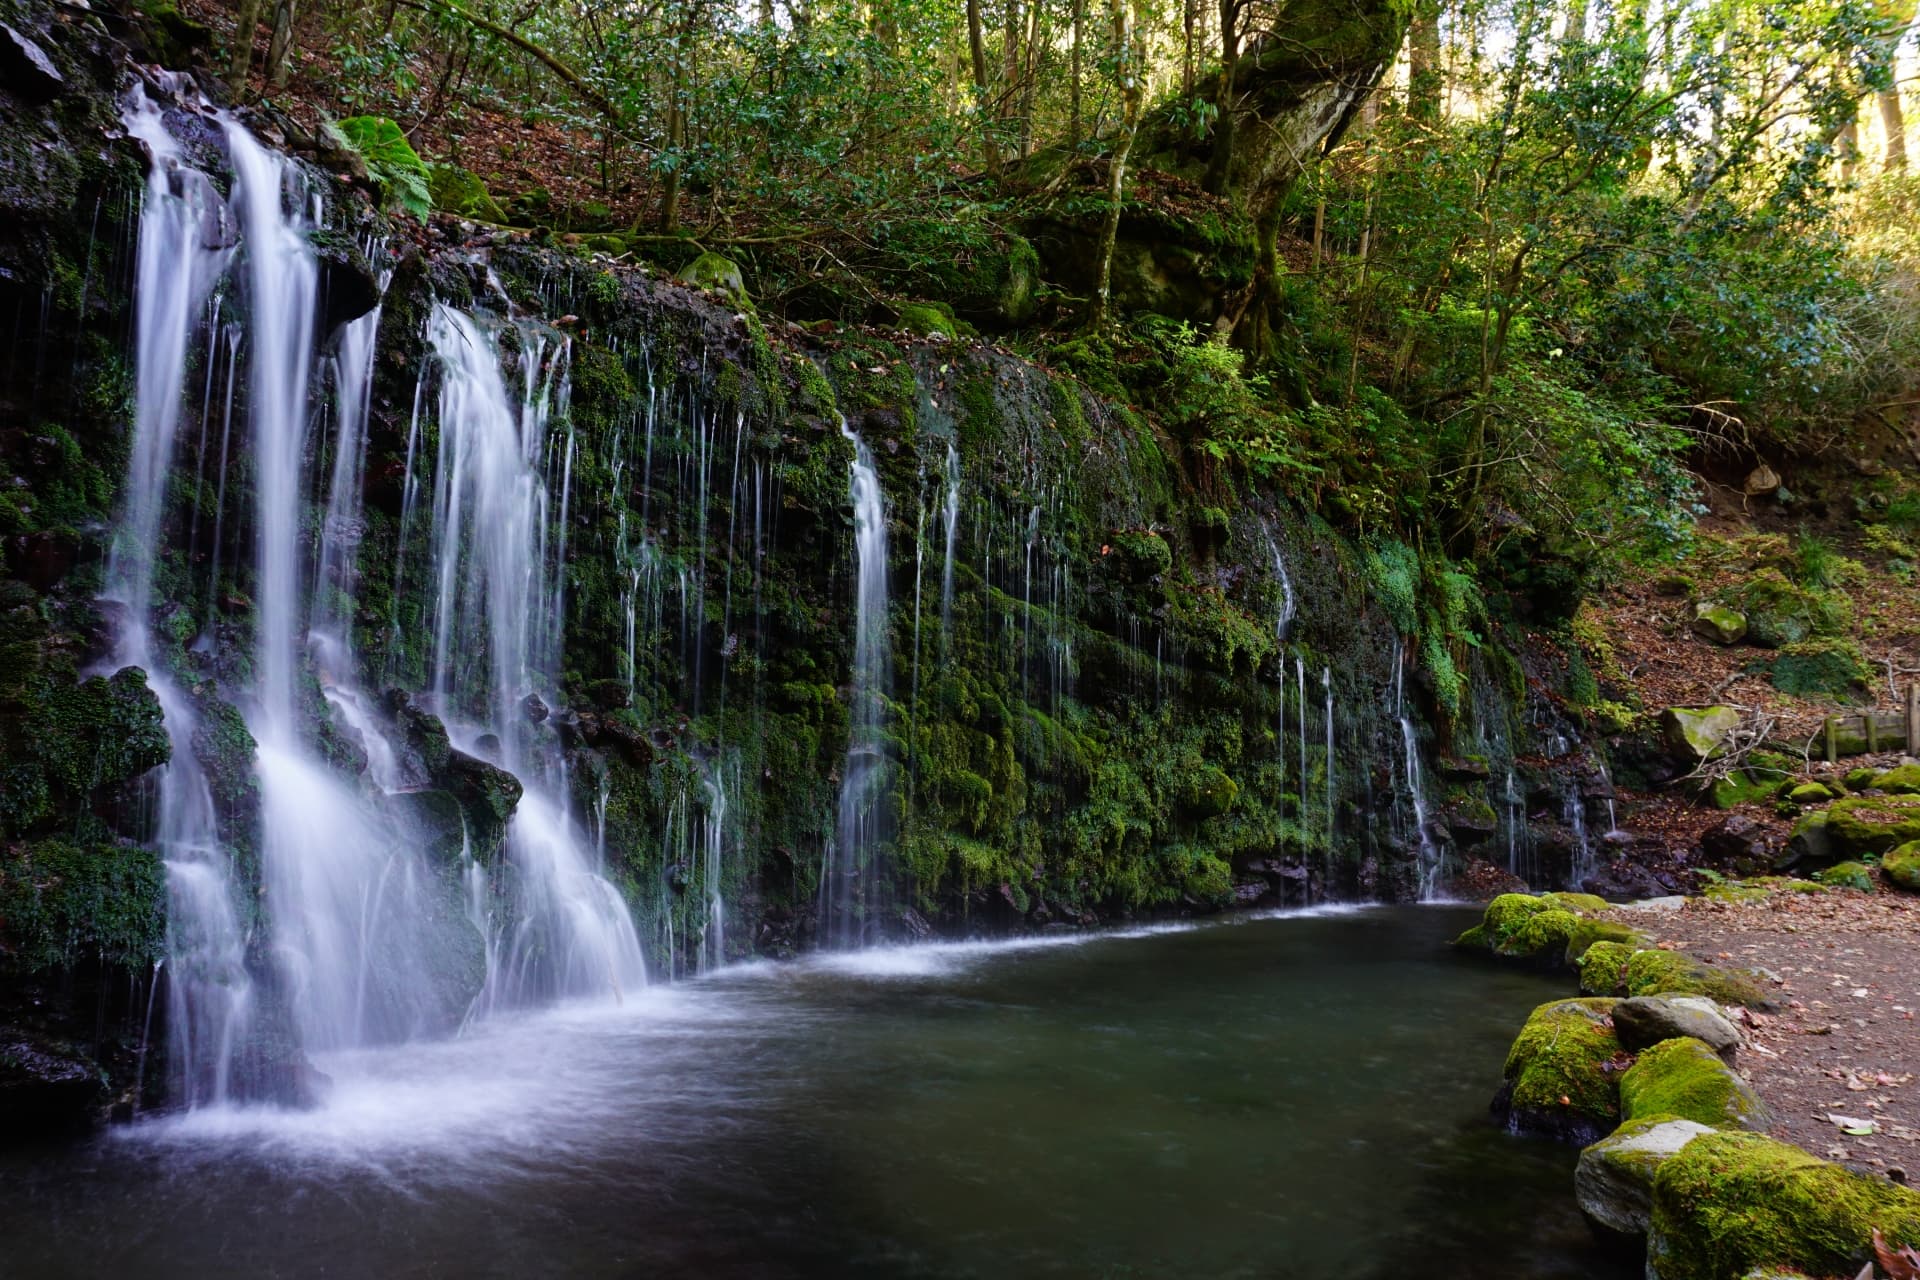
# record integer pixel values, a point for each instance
(1833, 739)
(1872, 723)
(1913, 718)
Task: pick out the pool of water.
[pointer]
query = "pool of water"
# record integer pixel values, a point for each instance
(1292, 1096)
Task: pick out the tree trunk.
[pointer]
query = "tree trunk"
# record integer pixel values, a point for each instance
(676, 127)
(977, 46)
(1423, 64)
(284, 14)
(1220, 162)
(1010, 67)
(1132, 90)
(242, 61)
(1896, 125)
(1073, 93)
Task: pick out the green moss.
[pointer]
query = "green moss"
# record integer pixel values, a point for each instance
(1809, 793)
(1683, 1077)
(1848, 875)
(1781, 613)
(1561, 1068)
(1832, 667)
(1901, 867)
(714, 272)
(1544, 935)
(80, 741)
(1577, 902)
(1872, 824)
(1210, 792)
(457, 191)
(61, 902)
(928, 319)
(1729, 1203)
(1901, 781)
(1589, 933)
(1673, 972)
(1603, 968)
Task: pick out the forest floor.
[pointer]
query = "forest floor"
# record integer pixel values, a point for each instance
(1843, 1044)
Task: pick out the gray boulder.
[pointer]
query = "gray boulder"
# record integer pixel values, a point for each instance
(1645, 1021)
(1614, 1179)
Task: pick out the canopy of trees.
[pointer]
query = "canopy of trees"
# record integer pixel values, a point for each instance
(1497, 272)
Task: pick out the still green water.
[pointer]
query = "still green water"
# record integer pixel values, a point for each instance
(1301, 1096)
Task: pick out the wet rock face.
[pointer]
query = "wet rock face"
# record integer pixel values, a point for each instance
(47, 1086)
(26, 66)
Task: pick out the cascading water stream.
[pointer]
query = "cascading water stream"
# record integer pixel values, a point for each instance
(209, 989)
(570, 934)
(953, 540)
(1416, 792)
(853, 884)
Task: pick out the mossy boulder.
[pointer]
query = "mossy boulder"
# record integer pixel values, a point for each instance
(1811, 842)
(1729, 1203)
(1847, 875)
(1684, 1077)
(1209, 792)
(74, 746)
(486, 794)
(714, 272)
(65, 901)
(1603, 968)
(1644, 1021)
(1562, 1074)
(928, 319)
(1696, 734)
(1831, 667)
(1528, 927)
(1719, 624)
(1614, 1179)
(1809, 793)
(1672, 972)
(1781, 613)
(1903, 781)
(1861, 825)
(1588, 933)
(459, 191)
(1902, 867)
(1860, 779)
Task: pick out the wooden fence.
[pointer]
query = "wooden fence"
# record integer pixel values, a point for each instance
(1870, 732)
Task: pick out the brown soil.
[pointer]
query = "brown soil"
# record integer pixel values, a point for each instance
(1844, 1040)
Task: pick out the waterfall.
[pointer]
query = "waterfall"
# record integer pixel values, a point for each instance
(953, 539)
(853, 884)
(1326, 683)
(209, 989)
(571, 931)
(1574, 810)
(1300, 714)
(282, 291)
(1416, 792)
(341, 530)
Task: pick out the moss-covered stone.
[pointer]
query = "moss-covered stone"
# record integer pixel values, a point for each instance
(717, 273)
(1684, 1077)
(1694, 734)
(1614, 1179)
(1781, 613)
(1603, 968)
(1862, 825)
(1562, 1072)
(1902, 867)
(1577, 902)
(1901, 781)
(1860, 779)
(457, 191)
(1588, 933)
(62, 902)
(1719, 624)
(1729, 1203)
(1831, 667)
(928, 319)
(1809, 793)
(73, 745)
(1848, 875)
(1673, 972)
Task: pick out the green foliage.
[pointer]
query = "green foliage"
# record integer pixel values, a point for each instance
(61, 902)
(391, 160)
